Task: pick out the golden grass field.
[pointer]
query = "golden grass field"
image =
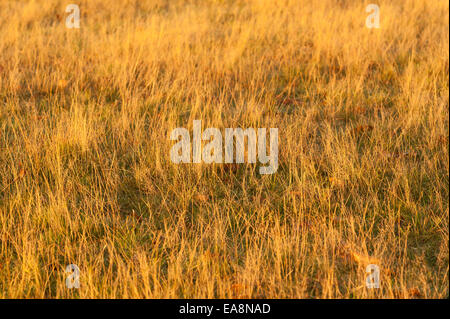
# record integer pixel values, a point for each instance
(86, 176)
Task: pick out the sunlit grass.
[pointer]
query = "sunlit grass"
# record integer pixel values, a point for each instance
(85, 170)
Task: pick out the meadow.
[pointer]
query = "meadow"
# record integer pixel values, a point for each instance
(85, 170)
